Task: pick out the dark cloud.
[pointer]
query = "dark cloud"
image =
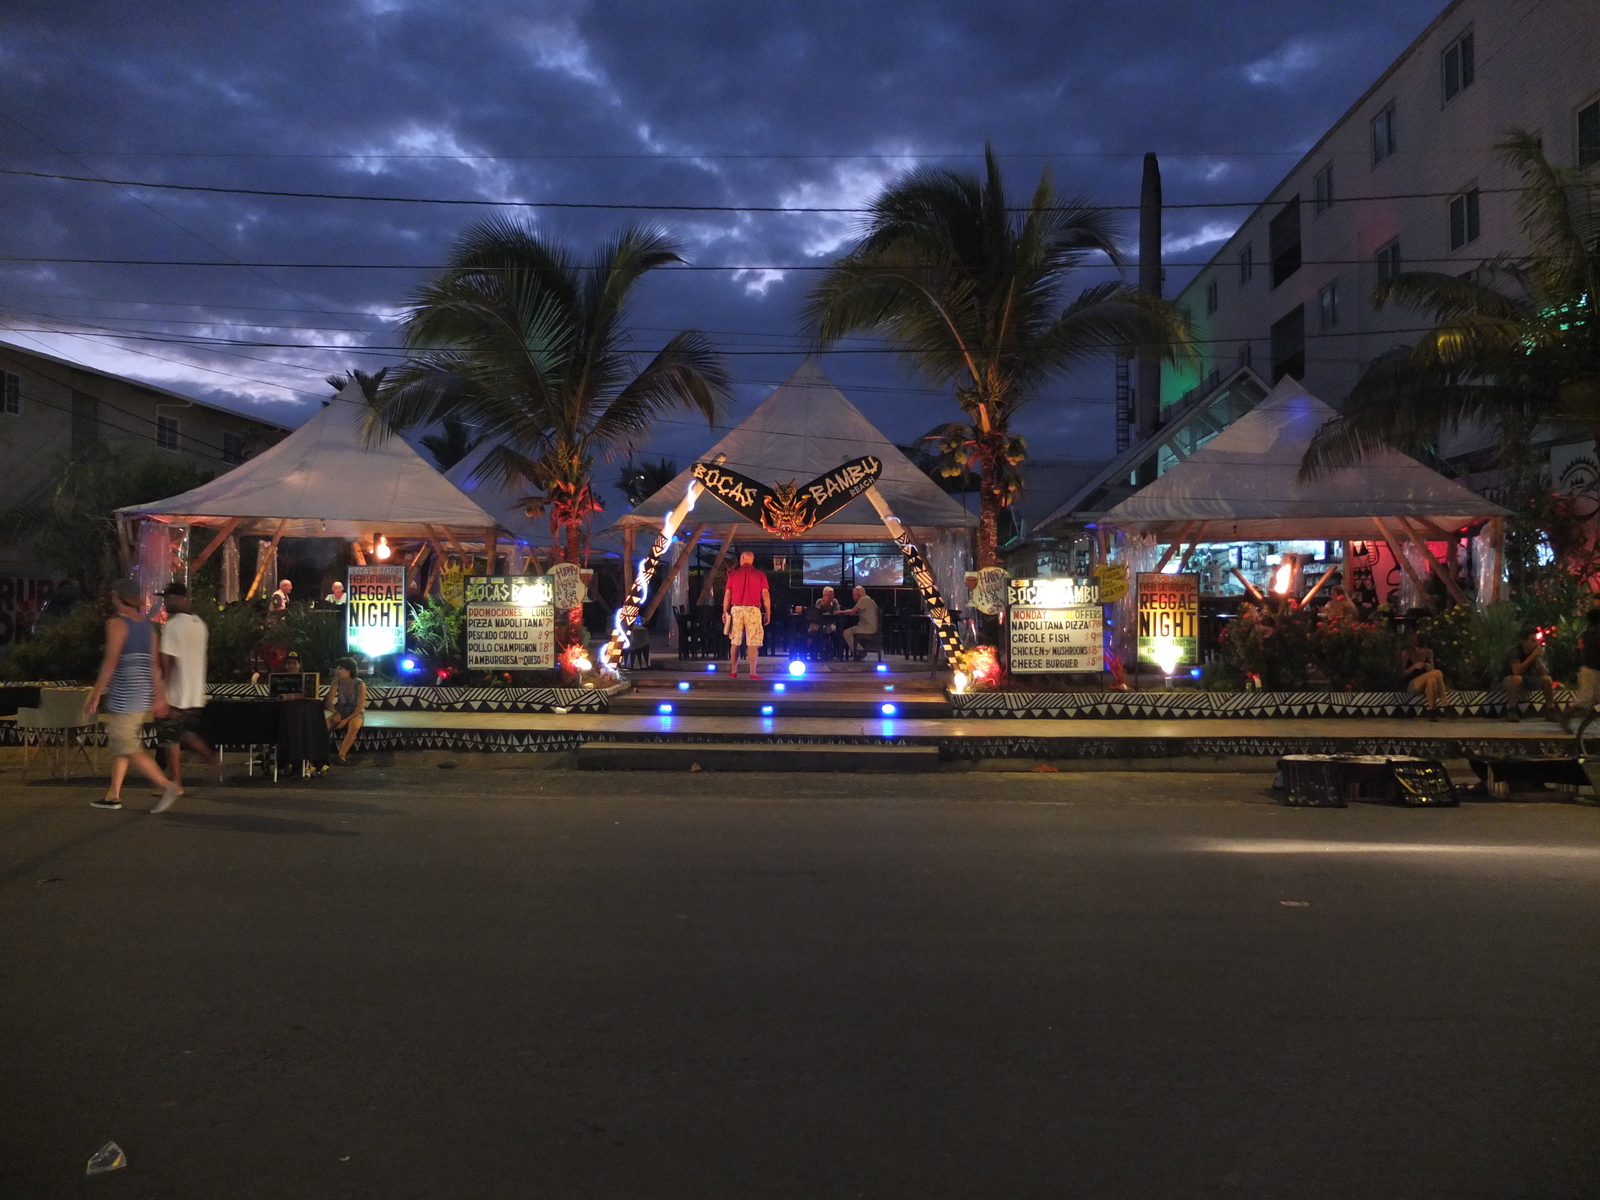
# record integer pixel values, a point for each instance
(715, 103)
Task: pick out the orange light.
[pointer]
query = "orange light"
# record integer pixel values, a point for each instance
(381, 548)
(1282, 577)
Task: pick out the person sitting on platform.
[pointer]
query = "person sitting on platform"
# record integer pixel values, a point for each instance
(867, 622)
(1419, 673)
(345, 706)
(1525, 668)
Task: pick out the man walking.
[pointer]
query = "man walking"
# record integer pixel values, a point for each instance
(130, 683)
(746, 609)
(867, 621)
(183, 662)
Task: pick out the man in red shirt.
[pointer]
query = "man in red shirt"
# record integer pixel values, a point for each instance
(746, 608)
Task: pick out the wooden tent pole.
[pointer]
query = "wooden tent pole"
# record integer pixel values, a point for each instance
(1173, 548)
(1194, 544)
(1317, 587)
(262, 556)
(672, 576)
(214, 543)
(1405, 563)
(358, 551)
(1438, 567)
(711, 575)
(491, 548)
(630, 534)
(1248, 586)
(1499, 539)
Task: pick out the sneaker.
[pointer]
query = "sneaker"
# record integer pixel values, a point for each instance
(168, 799)
(106, 802)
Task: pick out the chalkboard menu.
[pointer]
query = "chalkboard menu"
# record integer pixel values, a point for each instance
(287, 685)
(1055, 625)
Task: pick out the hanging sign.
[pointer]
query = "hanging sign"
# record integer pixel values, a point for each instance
(451, 589)
(375, 609)
(987, 587)
(566, 580)
(1169, 620)
(1113, 577)
(511, 623)
(788, 509)
(1055, 625)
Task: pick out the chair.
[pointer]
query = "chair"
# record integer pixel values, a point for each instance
(58, 726)
(869, 642)
(690, 643)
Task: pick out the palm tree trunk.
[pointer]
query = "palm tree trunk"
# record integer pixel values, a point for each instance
(988, 523)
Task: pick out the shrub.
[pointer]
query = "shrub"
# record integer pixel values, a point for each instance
(66, 647)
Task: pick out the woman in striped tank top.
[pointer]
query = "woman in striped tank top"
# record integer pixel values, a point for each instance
(131, 686)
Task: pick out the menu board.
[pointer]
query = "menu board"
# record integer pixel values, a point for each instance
(375, 609)
(511, 623)
(1169, 612)
(1055, 625)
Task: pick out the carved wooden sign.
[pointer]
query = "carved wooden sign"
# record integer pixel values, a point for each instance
(786, 509)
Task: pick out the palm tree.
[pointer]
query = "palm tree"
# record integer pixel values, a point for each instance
(1514, 344)
(638, 484)
(531, 347)
(975, 294)
(451, 444)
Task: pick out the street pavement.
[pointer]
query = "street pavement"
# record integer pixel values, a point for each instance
(553, 984)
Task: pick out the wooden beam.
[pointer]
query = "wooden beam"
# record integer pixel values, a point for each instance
(491, 548)
(1445, 576)
(630, 535)
(215, 543)
(262, 556)
(1317, 587)
(1248, 586)
(1173, 547)
(1498, 525)
(359, 552)
(711, 575)
(672, 576)
(417, 557)
(1194, 541)
(1405, 563)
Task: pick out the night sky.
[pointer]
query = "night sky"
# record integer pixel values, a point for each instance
(711, 103)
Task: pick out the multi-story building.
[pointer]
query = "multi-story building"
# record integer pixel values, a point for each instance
(1407, 179)
(52, 410)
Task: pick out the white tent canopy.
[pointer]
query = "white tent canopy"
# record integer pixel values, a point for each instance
(327, 480)
(1243, 486)
(805, 428)
(499, 501)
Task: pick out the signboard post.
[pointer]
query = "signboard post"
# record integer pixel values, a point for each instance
(375, 609)
(1055, 625)
(1169, 620)
(511, 623)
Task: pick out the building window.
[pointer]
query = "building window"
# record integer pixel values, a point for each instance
(10, 394)
(1328, 307)
(1324, 189)
(1464, 226)
(1247, 264)
(1244, 355)
(1289, 345)
(1589, 135)
(1211, 297)
(1389, 261)
(1283, 238)
(1458, 67)
(167, 432)
(1384, 142)
(85, 423)
(233, 447)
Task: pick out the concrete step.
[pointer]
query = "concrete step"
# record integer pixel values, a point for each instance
(786, 704)
(753, 756)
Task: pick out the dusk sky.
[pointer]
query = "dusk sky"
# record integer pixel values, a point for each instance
(712, 104)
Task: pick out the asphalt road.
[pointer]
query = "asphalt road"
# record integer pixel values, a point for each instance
(508, 984)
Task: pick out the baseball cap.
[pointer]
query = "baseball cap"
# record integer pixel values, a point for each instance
(175, 589)
(127, 589)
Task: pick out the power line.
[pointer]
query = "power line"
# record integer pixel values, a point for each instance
(217, 189)
(690, 156)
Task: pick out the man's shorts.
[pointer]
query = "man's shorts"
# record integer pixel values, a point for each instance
(123, 732)
(178, 721)
(1587, 693)
(744, 625)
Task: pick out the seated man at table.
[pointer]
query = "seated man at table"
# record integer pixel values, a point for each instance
(347, 701)
(867, 621)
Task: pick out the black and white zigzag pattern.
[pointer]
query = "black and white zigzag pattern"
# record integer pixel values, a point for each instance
(381, 698)
(1169, 705)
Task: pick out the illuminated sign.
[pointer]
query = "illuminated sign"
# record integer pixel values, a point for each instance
(511, 623)
(1053, 593)
(1169, 620)
(1055, 625)
(375, 609)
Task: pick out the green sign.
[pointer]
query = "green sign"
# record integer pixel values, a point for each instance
(1169, 620)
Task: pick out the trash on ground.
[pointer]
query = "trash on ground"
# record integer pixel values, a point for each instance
(108, 1158)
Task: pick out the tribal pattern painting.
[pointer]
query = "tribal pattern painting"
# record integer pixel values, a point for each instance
(788, 510)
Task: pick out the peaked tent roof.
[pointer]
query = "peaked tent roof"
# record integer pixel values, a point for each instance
(806, 427)
(326, 480)
(1243, 484)
(499, 501)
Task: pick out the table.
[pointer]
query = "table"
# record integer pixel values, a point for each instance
(295, 729)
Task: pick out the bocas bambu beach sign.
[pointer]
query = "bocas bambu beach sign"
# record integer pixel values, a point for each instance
(789, 509)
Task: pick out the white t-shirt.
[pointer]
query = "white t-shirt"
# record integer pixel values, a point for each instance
(183, 638)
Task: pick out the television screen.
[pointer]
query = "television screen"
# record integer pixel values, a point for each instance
(885, 568)
(823, 566)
